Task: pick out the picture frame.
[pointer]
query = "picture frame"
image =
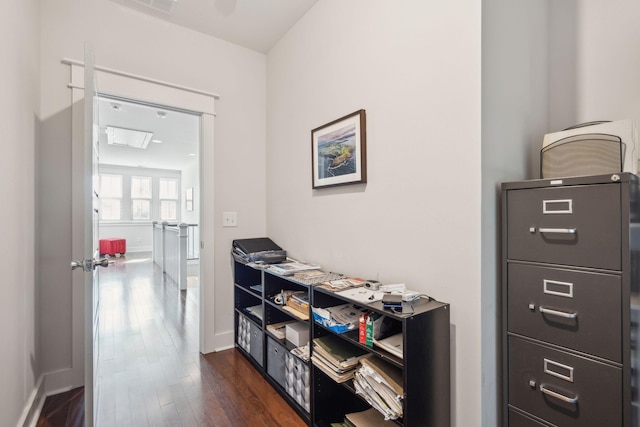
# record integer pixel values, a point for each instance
(188, 199)
(339, 151)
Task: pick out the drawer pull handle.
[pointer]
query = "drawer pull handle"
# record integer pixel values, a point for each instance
(558, 313)
(558, 230)
(557, 395)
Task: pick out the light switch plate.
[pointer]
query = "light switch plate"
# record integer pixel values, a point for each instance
(229, 219)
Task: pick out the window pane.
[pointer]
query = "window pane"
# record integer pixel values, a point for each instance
(141, 209)
(167, 210)
(111, 186)
(110, 209)
(168, 188)
(140, 187)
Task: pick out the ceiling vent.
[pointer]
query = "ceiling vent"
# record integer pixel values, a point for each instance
(122, 137)
(164, 6)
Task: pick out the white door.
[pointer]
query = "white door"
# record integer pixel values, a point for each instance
(85, 227)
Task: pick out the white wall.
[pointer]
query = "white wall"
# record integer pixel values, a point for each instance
(607, 60)
(514, 118)
(126, 40)
(415, 68)
(19, 109)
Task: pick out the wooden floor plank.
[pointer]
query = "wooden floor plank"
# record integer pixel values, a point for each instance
(151, 371)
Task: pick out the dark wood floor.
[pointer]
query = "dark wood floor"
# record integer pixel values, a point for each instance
(151, 372)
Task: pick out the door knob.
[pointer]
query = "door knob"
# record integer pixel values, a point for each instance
(90, 264)
(104, 262)
(77, 264)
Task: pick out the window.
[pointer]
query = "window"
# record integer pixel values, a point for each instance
(168, 199)
(110, 197)
(140, 198)
(138, 195)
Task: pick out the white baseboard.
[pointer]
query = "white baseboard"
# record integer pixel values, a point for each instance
(32, 408)
(223, 341)
(48, 384)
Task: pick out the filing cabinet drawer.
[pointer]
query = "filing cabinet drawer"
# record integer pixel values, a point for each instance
(575, 225)
(574, 309)
(276, 356)
(562, 388)
(517, 419)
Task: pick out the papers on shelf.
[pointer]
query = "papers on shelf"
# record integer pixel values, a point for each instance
(368, 418)
(380, 384)
(312, 277)
(362, 295)
(339, 319)
(342, 283)
(256, 310)
(277, 329)
(336, 357)
(291, 266)
(300, 315)
(302, 352)
(392, 344)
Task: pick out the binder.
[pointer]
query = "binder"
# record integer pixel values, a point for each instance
(258, 244)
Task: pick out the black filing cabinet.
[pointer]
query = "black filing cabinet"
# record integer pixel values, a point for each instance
(570, 301)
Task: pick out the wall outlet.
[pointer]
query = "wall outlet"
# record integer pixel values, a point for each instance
(229, 219)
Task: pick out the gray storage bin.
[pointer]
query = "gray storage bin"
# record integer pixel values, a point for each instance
(276, 360)
(297, 380)
(255, 342)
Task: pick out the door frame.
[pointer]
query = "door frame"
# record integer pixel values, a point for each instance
(130, 86)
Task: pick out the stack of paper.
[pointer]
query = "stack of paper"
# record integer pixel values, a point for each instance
(297, 304)
(339, 319)
(277, 329)
(368, 418)
(392, 344)
(336, 357)
(380, 383)
(256, 310)
(292, 266)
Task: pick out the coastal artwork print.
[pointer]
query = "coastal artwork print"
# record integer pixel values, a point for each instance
(339, 151)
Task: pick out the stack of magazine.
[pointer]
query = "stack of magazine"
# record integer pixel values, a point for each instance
(380, 384)
(336, 357)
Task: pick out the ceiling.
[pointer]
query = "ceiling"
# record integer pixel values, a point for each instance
(178, 133)
(254, 24)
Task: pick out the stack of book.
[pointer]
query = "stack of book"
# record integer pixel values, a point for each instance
(336, 357)
(380, 384)
(298, 304)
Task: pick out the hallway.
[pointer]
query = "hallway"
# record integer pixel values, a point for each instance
(151, 373)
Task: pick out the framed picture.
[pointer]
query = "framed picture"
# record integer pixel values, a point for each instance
(188, 198)
(338, 151)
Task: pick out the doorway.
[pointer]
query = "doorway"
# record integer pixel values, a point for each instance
(150, 175)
